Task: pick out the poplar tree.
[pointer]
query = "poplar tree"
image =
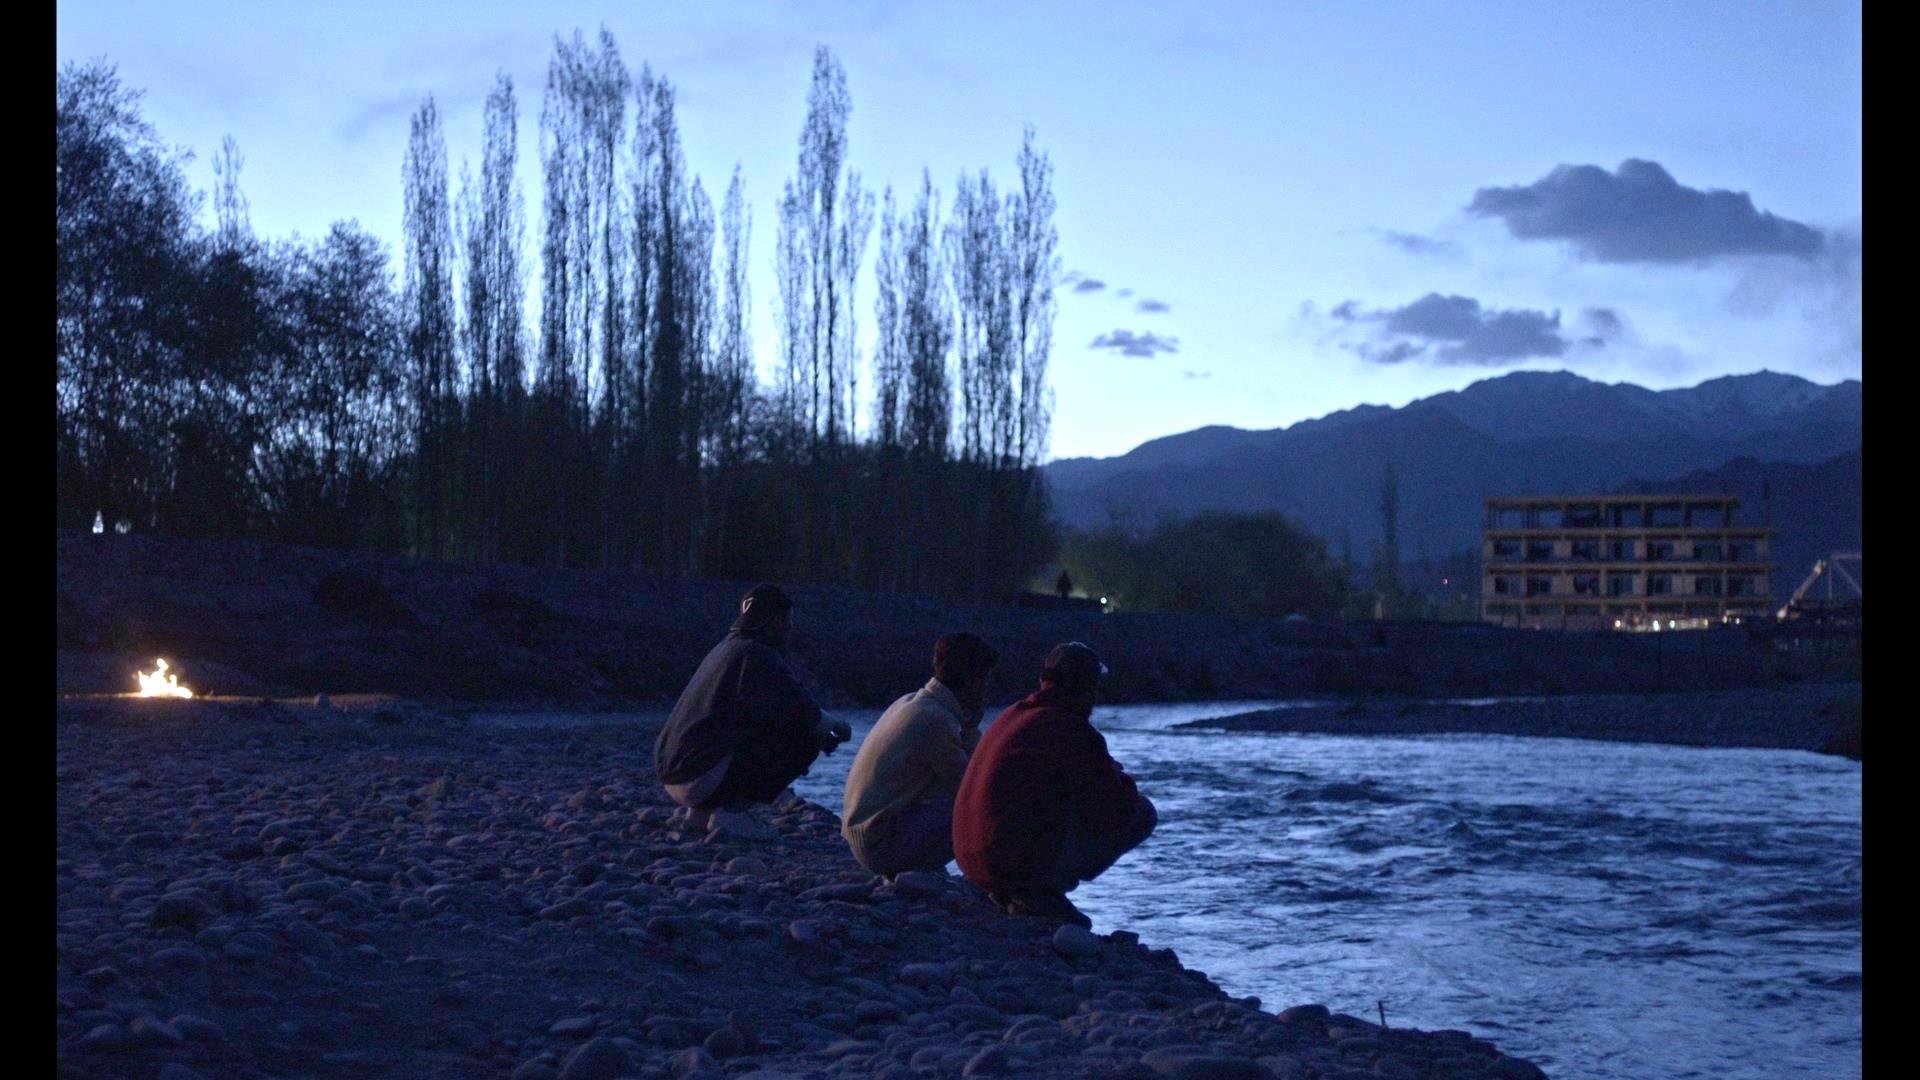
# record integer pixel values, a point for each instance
(493, 228)
(825, 221)
(928, 329)
(430, 327)
(890, 347)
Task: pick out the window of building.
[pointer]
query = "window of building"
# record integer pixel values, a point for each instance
(1506, 585)
(1626, 516)
(1659, 551)
(1743, 585)
(1706, 585)
(1539, 586)
(1742, 551)
(1588, 550)
(1583, 516)
(1707, 516)
(1586, 584)
(1665, 516)
(1707, 552)
(1507, 517)
(1545, 517)
(1659, 584)
(1506, 550)
(1539, 550)
(1619, 585)
(1620, 550)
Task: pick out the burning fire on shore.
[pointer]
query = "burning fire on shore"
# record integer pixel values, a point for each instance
(161, 683)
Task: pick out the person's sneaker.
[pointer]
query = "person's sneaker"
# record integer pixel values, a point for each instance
(1054, 907)
(739, 825)
(690, 820)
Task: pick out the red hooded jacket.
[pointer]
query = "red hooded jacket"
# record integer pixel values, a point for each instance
(1039, 765)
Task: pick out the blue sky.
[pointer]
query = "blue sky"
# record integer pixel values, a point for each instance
(1292, 183)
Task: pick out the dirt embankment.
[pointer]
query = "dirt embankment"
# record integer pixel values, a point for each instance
(252, 618)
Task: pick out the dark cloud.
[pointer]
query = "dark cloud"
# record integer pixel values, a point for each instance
(1089, 285)
(1639, 213)
(1416, 244)
(1605, 322)
(1128, 343)
(1455, 330)
(1151, 306)
(380, 114)
(1397, 353)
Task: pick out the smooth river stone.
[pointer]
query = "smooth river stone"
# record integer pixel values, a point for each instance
(1071, 940)
(596, 1059)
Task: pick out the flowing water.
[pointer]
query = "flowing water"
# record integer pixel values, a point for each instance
(1608, 910)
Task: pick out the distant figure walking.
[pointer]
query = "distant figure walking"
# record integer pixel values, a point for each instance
(899, 806)
(1043, 805)
(1064, 585)
(744, 728)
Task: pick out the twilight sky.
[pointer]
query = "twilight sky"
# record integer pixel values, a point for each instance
(1266, 211)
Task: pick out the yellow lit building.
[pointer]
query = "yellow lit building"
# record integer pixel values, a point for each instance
(1622, 562)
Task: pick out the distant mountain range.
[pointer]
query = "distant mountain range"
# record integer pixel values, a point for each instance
(1522, 433)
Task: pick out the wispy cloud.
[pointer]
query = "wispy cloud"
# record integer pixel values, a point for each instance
(380, 113)
(1128, 343)
(1151, 306)
(1415, 244)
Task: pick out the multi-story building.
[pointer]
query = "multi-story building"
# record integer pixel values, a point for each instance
(1622, 562)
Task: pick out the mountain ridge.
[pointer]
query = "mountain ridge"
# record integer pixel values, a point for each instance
(1519, 433)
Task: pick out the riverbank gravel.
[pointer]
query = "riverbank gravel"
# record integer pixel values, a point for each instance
(269, 889)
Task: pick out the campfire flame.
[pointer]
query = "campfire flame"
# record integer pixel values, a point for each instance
(161, 683)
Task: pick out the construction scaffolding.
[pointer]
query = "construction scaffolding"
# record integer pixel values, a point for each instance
(1835, 607)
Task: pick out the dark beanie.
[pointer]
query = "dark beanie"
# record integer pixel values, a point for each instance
(1073, 667)
(962, 657)
(762, 606)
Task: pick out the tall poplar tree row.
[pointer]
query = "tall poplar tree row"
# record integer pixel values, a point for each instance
(212, 383)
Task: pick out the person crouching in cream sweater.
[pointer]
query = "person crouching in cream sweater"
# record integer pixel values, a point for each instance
(899, 802)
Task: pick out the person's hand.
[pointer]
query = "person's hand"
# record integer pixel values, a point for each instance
(832, 733)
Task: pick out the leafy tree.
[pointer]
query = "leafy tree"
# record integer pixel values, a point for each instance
(123, 242)
(1220, 563)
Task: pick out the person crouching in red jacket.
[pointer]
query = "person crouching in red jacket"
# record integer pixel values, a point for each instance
(1042, 806)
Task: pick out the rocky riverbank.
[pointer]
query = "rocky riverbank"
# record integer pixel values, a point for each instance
(377, 888)
(1822, 716)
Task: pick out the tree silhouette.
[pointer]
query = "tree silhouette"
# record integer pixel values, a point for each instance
(212, 383)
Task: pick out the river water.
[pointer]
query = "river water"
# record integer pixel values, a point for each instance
(1607, 910)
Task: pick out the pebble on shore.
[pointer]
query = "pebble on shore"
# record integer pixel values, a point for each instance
(338, 896)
